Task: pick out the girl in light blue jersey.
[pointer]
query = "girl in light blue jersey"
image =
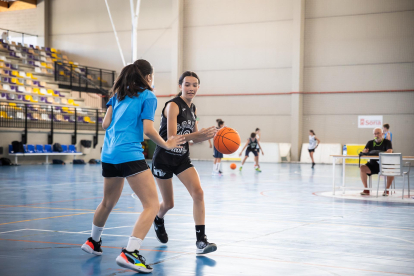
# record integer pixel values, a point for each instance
(130, 114)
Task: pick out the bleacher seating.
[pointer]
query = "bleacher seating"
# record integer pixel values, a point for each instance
(26, 72)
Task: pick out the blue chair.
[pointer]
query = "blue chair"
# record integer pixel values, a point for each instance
(64, 148)
(48, 148)
(72, 148)
(10, 149)
(39, 149)
(30, 149)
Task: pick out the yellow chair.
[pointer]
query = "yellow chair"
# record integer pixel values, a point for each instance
(14, 80)
(30, 75)
(50, 92)
(34, 99)
(54, 56)
(36, 90)
(53, 50)
(12, 104)
(1, 64)
(3, 114)
(72, 102)
(43, 64)
(70, 62)
(87, 119)
(28, 98)
(15, 73)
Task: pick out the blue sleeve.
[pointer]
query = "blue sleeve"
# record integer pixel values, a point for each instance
(148, 109)
(110, 102)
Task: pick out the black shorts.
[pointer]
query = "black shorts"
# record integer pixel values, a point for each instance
(311, 150)
(165, 171)
(124, 169)
(373, 167)
(217, 154)
(254, 151)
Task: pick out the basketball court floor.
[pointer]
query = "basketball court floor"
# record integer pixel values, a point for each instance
(278, 222)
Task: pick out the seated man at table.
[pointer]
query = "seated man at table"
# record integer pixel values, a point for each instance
(372, 167)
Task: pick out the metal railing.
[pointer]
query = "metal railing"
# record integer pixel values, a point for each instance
(40, 116)
(19, 37)
(84, 78)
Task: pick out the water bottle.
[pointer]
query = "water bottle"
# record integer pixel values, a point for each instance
(344, 151)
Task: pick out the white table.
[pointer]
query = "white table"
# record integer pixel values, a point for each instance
(344, 157)
(16, 155)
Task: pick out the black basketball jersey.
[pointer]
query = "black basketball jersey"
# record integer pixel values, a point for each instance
(252, 144)
(186, 121)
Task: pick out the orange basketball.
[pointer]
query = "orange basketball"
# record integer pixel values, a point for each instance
(233, 166)
(227, 140)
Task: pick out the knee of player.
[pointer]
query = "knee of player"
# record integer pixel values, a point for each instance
(169, 205)
(198, 194)
(108, 204)
(363, 168)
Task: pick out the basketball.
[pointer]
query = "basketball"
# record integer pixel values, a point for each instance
(233, 166)
(227, 140)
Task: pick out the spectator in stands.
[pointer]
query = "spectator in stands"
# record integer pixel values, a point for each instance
(387, 132)
(372, 167)
(5, 37)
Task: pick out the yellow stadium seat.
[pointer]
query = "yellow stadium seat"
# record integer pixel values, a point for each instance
(12, 104)
(50, 92)
(1, 64)
(15, 73)
(3, 114)
(53, 50)
(43, 64)
(13, 80)
(30, 75)
(87, 119)
(28, 98)
(36, 90)
(70, 62)
(54, 56)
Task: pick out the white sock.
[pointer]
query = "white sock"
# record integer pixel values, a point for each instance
(96, 232)
(217, 167)
(133, 244)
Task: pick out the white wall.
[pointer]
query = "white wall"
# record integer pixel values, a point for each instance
(83, 30)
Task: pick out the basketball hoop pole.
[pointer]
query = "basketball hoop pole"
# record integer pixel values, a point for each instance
(116, 35)
(134, 35)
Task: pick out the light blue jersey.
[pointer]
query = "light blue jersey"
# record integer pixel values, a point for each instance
(385, 135)
(124, 135)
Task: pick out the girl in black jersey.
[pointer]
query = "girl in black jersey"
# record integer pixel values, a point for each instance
(217, 155)
(253, 146)
(179, 117)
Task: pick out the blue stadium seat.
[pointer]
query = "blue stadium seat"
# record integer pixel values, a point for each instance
(39, 149)
(30, 149)
(72, 148)
(10, 148)
(64, 148)
(48, 148)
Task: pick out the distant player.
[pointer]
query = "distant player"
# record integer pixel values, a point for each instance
(313, 144)
(253, 146)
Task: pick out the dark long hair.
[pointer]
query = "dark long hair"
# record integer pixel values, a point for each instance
(220, 122)
(313, 132)
(132, 80)
(181, 79)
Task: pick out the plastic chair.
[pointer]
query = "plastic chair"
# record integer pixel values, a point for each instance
(30, 148)
(48, 148)
(72, 148)
(64, 148)
(39, 149)
(390, 165)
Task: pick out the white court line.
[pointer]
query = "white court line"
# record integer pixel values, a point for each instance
(110, 235)
(12, 231)
(110, 228)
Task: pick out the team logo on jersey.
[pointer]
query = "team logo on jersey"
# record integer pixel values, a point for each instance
(184, 109)
(158, 172)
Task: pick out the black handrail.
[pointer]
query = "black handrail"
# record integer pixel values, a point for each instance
(67, 80)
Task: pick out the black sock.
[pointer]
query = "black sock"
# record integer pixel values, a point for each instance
(158, 220)
(200, 232)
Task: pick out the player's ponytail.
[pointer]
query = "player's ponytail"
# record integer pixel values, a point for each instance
(313, 132)
(131, 81)
(181, 80)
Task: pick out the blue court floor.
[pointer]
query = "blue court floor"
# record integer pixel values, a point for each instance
(269, 223)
